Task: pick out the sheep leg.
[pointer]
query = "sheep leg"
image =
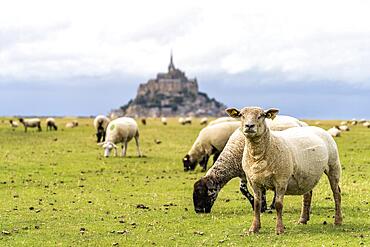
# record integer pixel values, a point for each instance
(215, 156)
(203, 163)
(39, 127)
(306, 207)
(124, 148)
(137, 146)
(272, 206)
(279, 210)
(244, 190)
(334, 184)
(256, 224)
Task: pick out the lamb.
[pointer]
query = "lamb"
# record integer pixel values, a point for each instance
(50, 124)
(221, 120)
(290, 162)
(210, 141)
(334, 131)
(100, 124)
(229, 165)
(13, 124)
(344, 128)
(164, 120)
(204, 121)
(121, 130)
(31, 123)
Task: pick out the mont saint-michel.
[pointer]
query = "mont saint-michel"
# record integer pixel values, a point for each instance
(171, 94)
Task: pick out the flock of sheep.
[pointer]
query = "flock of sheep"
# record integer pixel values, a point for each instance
(265, 150)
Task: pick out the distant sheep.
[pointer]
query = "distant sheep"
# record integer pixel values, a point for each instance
(344, 123)
(204, 121)
(221, 120)
(50, 124)
(13, 124)
(31, 123)
(366, 124)
(100, 124)
(72, 124)
(334, 131)
(290, 162)
(121, 130)
(344, 128)
(362, 120)
(143, 121)
(210, 141)
(164, 120)
(184, 121)
(354, 121)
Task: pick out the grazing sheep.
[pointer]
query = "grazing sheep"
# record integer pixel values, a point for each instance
(366, 124)
(184, 121)
(229, 165)
(354, 121)
(344, 128)
(344, 123)
(121, 130)
(290, 162)
(204, 121)
(164, 120)
(72, 124)
(210, 141)
(221, 120)
(334, 131)
(31, 123)
(50, 124)
(143, 121)
(13, 124)
(100, 124)
(188, 120)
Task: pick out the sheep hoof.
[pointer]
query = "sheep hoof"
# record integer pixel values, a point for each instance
(302, 221)
(279, 230)
(338, 221)
(253, 230)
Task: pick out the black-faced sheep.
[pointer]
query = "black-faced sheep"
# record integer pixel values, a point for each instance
(164, 120)
(100, 124)
(210, 141)
(290, 162)
(51, 124)
(204, 121)
(121, 130)
(31, 123)
(334, 131)
(13, 124)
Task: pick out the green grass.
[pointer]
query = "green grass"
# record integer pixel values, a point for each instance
(53, 184)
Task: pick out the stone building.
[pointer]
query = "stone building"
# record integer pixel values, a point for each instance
(171, 94)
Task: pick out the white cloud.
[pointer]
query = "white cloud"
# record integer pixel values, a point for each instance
(304, 40)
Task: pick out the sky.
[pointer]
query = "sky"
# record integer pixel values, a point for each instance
(310, 59)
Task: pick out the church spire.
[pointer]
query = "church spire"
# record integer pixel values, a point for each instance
(171, 66)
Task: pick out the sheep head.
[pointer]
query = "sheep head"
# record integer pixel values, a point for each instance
(204, 195)
(253, 119)
(189, 165)
(108, 146)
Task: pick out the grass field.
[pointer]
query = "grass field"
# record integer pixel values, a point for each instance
(57, 189)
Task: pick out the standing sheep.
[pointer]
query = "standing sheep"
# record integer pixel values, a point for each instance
(121, 130)
(229, 166)
(50, 124)
(31, 123)
(210, 141)
(290, 162)
(164, 120)
(100, 124)
(13, 124)
(204, 121)
(334, 131)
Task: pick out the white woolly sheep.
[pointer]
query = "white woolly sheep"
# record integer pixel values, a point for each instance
(100, 124)
(366, 124)
(184, 121)
(290, 162)
(164, 120)
(13, 124)
(121, 130)
(229, 165)
(354, 121)
(334, 131)
(221, 120)
(51, 124)
(344, 128)
(210, 141)
(204, 121)
(31, 123)
(72, 124)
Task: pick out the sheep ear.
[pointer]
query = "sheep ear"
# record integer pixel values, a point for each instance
(271, 113)
(233, 112)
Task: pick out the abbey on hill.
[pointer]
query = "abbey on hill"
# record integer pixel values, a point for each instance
(171, 94)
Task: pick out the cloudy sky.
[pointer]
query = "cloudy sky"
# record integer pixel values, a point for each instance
(308, 58)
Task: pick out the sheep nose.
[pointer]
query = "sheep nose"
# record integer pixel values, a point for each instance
(249, 126)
